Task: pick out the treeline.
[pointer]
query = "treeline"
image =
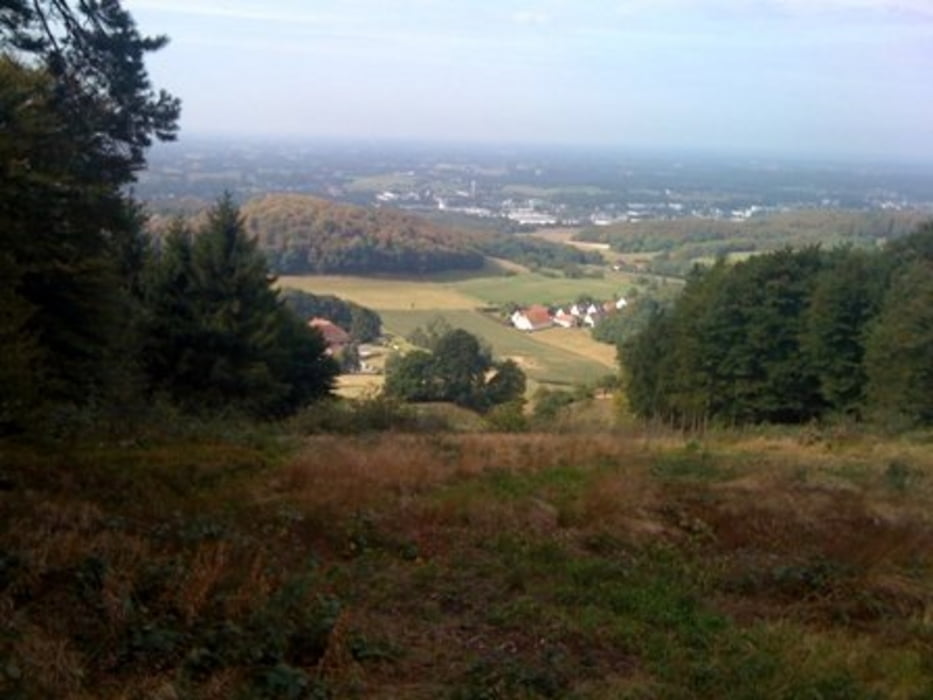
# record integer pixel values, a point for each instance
(364, 325)
(680, 242)
(792, 336)
(92, 319)
(536, 253)
(301, 234)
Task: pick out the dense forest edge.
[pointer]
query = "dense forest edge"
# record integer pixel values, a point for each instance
(794, 336)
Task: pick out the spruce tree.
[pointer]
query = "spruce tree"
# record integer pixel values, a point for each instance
(899, 350)
(219, 336)
(78, 112)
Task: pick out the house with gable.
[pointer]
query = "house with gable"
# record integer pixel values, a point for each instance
(564, 320)
(534, 318)
(337, 338)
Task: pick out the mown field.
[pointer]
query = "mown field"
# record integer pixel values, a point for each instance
(465, 566)
(544, 361)
(555, 356)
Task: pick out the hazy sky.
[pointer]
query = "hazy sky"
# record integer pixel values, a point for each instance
(820, 77)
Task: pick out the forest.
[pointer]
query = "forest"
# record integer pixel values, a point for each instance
(792, 336)
(301, 234)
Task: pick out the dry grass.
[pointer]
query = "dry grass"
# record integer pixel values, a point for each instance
(581, 342)
(530, 565)
(385, 293)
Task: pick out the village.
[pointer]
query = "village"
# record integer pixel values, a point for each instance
(578, 315)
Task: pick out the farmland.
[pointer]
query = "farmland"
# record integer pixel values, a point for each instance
(552, 357)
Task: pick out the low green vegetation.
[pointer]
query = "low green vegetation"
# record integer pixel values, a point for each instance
(453, 365)
(678, 244)
(770, 565)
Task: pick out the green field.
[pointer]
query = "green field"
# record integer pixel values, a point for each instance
(387, 181)
(553, 357)
(543, 362)
(535, 288)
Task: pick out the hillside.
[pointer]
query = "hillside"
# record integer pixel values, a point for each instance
(303, 234)
(468, 566)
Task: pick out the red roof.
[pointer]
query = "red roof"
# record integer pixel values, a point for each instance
(538, 315)
(333, 334)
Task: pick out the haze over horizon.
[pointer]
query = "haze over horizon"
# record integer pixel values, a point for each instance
(835, 78)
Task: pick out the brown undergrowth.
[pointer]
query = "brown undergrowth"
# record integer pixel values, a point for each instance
(470, 566)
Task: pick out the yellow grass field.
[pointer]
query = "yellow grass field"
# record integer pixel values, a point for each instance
(580, 342)
(383, 293)
(354, 386)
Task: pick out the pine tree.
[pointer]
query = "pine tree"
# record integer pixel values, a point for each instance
(899, 350)
(78, 112)
(219, 336)
(845, 299)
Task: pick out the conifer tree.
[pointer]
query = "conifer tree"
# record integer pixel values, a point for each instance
(77, 112)
(899, 350)
(219, 336)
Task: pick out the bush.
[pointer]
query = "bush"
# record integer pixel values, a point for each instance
(508, 418)
(349, 416)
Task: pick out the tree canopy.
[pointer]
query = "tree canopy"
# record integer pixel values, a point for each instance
(219, 334)
(457, 368)
(791, 336)
(90, 317)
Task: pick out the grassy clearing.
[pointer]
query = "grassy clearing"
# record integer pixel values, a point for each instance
(565, 236)
(535, 288)
(384, 294)
(580, 342)
(470, 566)
(543, 361)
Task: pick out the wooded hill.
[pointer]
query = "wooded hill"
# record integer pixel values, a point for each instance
(304, 234)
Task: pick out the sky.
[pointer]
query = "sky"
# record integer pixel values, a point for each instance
(801, 77)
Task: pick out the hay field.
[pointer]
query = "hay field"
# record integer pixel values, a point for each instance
(385, 293)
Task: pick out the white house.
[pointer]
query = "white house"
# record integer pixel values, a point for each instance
(534, 318)
(564, 320)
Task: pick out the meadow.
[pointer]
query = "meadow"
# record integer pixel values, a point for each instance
(552, 357)
(544, 361)
(632, 564)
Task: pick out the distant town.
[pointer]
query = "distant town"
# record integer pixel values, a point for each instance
(524, 188)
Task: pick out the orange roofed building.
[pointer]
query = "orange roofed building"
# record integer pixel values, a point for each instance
(335, 336)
